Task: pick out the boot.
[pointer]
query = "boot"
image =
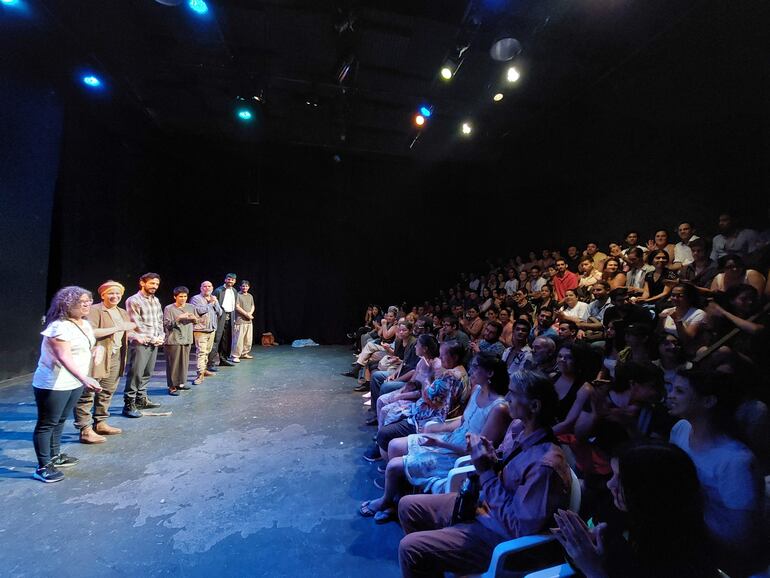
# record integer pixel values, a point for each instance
(129, 409)
(146, 403)
(89, 436)
(103, 428)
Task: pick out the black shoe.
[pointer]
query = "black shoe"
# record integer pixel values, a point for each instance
(362, 388)
(48, 474)
(350, 373)
(64, 461)
(373, 454)
(372, 421)
(225, 363)
(146, 403)
(129, 410)
(212, 369)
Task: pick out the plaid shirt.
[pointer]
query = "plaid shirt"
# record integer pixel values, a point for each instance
(147, 313)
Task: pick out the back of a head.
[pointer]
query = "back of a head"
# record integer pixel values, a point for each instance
(536, 385)
(492, 363)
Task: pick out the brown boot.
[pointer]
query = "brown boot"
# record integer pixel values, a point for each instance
(102, 427)
(89, 436)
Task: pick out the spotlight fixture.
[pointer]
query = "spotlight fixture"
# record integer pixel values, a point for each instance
(245, 114)
(89, 80)
(419, 120)
(505, 47)
(512, 74)
(9, 2)
(467, 128)
(198, 6)
(447, 72)
(498, 97)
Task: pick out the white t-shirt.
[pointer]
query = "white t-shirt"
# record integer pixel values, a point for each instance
(692, 317)
(729, 477)
(228, 300)
(538, 284)
(511, 286)
(49, 373)
(580, 311)
(683, 253)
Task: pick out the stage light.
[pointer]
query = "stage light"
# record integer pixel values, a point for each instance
(419, 120)
(91, 81)
(426, 111)
(198, 6)
(245, 114)
(467, 128)
(505, 47)
(446, 73)
(512, 75)
(10, 2)
(498, 97)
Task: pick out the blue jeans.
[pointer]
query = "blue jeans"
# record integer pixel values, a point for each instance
(379, 386)
(53, 407)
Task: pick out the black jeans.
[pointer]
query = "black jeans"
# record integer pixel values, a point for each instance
(392, 431)
(222, 340)
(53, 407)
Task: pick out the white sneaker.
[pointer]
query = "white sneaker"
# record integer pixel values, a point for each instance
(368, 403)
(367, 395)
(235, 360)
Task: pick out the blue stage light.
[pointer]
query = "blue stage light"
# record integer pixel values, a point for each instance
(198, 6)
(92, 81)
(426, 111)
(9, 2)
(245, 114)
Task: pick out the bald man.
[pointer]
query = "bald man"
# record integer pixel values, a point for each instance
(205, 329)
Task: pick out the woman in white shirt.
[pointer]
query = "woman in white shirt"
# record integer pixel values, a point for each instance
(61, 375)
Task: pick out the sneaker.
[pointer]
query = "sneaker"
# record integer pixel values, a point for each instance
(350, 373)
(362, 388)
(64, 461)
(368, 403)
(48, 474)
(225, 363)
(367, 395)
(146, 403)
(373, 454)
(234, 360)
(131, 411)
(211, 370)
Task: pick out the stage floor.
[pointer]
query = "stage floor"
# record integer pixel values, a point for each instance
(257, 472)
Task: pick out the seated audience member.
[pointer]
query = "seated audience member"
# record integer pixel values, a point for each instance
(641, 344)
(504, 317)
(521, 305)
(471, 300)
(547, 259)
(444, 398)
(512, 284)
(727, 469)
(472, 324)
(521, 492)
(450, 331)
(567, 330)
(573, 310)
(531, 261)
(536, 282)
(660, 243)
(738, 308)
(734, 272)
(576, 365)
(597, 257)
(631, 240)
(491, 314)
(490, 340)
(657, 283)
(593, 324)
(573, 259)
(546, 300)
(684, 319)
(392, 406)
(474, 282)
(731, 239)
(637, 270)
(543, 356)
(682, 252)
(487, 300)
(543, 325)
(702, 270)
(671, 359)
(425, 459)
(519, 354)
(564, 279)
(399, 365)
(386, 334)
(613, 273)
(588, 276)
(657, 487)
(614, 343)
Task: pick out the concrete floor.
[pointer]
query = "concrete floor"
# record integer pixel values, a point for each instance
(258, 472)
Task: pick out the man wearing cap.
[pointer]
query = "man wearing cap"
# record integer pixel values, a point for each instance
(227, 297)
(145, 311)
(112, 329)
(205, 328)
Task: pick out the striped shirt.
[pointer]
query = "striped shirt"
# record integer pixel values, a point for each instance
(147, 313)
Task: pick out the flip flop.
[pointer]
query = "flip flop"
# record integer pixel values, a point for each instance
(366, 511)
(385, 516)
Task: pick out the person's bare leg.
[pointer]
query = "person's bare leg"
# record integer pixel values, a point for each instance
(394, 474)
(397, 447)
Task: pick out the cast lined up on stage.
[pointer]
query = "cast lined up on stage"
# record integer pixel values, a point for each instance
(87, 348)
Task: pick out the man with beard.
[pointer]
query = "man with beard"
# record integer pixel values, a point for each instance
(205, 329)
(145, 312)
(227, 297)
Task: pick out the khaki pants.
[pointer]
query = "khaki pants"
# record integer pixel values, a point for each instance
(242, 338)
(98, 402)
(203, 344)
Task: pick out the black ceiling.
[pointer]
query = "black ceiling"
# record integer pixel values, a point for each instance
(185, 74)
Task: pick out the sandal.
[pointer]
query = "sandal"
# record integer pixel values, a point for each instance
(385, 516)
(366, 511)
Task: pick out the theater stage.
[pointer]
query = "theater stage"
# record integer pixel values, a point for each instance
(257, 472)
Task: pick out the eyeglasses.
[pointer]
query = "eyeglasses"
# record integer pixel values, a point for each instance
(86, 301)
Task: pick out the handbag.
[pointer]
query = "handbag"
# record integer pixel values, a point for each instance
(268, 340)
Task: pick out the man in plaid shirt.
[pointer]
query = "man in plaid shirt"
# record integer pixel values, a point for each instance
(143, 309)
